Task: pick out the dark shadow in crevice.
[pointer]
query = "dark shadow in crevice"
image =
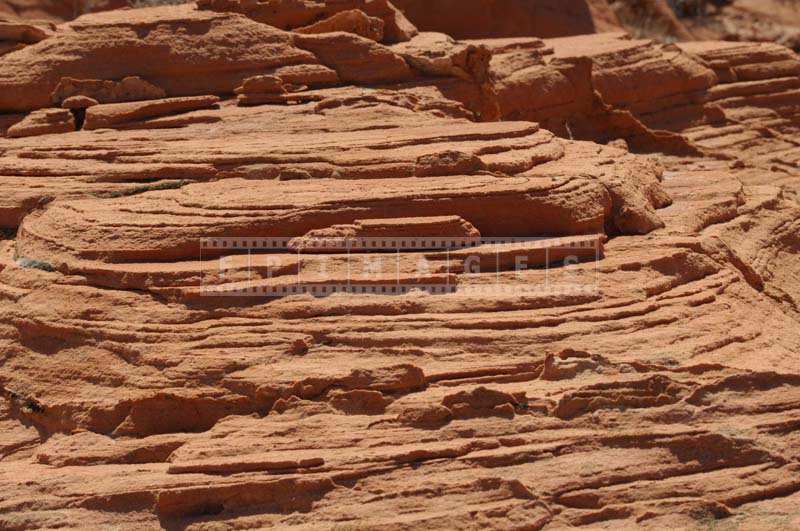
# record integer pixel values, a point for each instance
(80, 117)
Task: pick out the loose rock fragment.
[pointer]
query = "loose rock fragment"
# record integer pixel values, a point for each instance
(79, 102)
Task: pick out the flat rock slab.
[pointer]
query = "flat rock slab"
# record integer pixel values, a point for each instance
(112, 114)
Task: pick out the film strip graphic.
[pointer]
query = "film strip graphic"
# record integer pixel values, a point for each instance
(489, 259)
(325, 289)
(393, 243)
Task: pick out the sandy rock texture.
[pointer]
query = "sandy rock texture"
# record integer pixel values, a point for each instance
(202, 325)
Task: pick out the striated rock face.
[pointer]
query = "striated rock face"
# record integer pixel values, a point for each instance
(177, 48)
(264, 266)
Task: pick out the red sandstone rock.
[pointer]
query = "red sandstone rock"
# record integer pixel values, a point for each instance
(352, 21)
(113, 114)
(43, 122)
(213, 52)
(551, 206)
(79, 102)
(356, 59)
(262, 85)
(363, 232)
(310, 75)
(246, 100)
(24, 33)
(104, 91)
(166, 363)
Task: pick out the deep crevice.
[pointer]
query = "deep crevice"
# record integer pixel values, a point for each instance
(80, 117)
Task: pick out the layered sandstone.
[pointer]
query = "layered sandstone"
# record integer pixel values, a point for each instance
(254, 273)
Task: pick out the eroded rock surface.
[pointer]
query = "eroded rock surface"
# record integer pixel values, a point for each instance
(586, 313)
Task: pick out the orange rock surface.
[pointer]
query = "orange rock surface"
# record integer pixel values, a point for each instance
(301, 264)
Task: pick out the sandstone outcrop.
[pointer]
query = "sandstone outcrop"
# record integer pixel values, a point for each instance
(17, 34)
(130, 88)
(24, 33)
(115, 114)
(182, 50)
(43, 122)
(255, 274)
(352, 21)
